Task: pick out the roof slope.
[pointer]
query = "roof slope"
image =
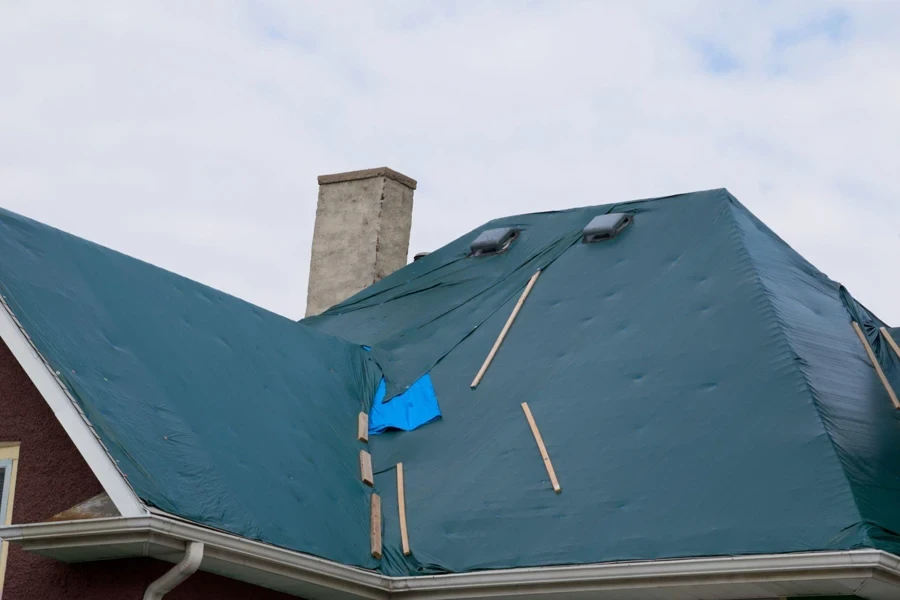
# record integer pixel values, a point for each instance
(216, 410)
(697, 383)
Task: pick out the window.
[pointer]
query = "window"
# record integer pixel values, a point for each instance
(5, 481)
(9, 462)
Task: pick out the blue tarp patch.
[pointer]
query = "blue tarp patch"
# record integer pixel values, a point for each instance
(413, 408)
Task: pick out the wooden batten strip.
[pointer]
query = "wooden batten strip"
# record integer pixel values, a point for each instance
(540, 442)
(505, 330)
(874, 360)
(890, 340)
(375, 506)
(365, 468)
(401, 504)
(362, 427)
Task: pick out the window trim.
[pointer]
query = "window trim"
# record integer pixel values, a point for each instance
(9, 462)
(6, 467)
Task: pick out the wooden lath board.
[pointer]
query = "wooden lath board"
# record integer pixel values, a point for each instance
(365, 468)
(401, 505)
(874, 360)
(362, 427)
(890, 341)
(375, 518)
(505, 330)
(543, 449)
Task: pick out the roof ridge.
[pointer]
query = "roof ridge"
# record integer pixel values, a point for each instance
(609, 205)
(8, 214)
(745, 250)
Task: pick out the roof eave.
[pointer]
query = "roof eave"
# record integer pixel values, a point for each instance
(165, 538)
(69, 415)
(870, 574)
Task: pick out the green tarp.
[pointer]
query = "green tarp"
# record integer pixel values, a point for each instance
(216, 410)
(697, 383)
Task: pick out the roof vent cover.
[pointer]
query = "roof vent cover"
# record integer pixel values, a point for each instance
(493, 241)
(604, 227)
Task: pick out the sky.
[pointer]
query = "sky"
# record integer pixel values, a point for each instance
(189, 134)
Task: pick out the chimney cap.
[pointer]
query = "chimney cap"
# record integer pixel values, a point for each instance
(367, 174)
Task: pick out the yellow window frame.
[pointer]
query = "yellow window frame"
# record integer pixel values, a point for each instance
(9, 451)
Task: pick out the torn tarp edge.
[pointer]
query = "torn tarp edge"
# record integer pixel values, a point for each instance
(407, 411)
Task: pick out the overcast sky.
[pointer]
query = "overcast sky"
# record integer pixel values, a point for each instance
(189, 134)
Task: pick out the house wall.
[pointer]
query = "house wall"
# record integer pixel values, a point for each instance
(119, 580)
(52, 477)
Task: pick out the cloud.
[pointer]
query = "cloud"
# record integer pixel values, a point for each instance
(833, 25)
(716, 58)
(190, 134)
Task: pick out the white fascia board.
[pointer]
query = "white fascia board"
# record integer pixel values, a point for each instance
(689, 575)
(69, 415)
(868, 573)
(310, 569)
(157, 536)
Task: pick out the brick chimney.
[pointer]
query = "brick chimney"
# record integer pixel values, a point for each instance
(361, 235)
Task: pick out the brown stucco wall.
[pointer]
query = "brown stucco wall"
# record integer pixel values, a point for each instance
(45, 579)
(52, 477)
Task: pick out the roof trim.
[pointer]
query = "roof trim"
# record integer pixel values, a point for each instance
(166, 538)
(68, 414)
(871, 574)
(675, 574)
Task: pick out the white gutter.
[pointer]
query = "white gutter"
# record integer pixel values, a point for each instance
(76, 425)
(870, 574)
(226, 554)
(193, 556)
(656, 575)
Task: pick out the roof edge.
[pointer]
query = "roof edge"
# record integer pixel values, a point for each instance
(226, 554)
(787, 340)
(615, 205)
(871, 574)
(796, 569)
(70, 417)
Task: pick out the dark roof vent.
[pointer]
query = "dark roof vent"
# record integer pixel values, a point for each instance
(604, 227)
(493, 241)
(420, 255)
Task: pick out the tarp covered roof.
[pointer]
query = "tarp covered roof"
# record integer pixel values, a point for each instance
(216, 410)
(697, 383)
